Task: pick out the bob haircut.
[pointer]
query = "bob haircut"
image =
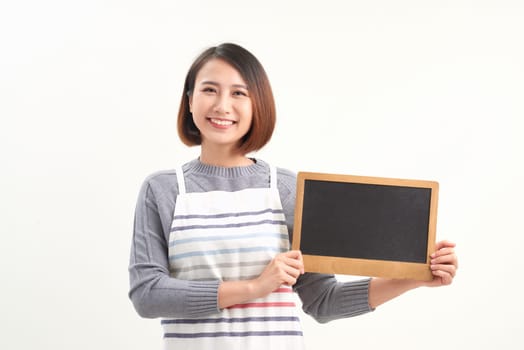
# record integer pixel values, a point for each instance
(263, 103)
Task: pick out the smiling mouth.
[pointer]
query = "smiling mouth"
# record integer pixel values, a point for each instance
(221, 122)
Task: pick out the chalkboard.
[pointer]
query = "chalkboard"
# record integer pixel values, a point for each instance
(368, 226)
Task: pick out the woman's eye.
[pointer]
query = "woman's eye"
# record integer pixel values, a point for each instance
(239, 93)
(208, 89)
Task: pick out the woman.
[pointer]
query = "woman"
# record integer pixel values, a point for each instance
(210, 251)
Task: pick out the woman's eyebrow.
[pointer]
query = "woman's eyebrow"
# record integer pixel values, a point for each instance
(214, 83)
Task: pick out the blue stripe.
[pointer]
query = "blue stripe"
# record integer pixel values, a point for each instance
(222, 238)
(225, 215)
(252, 223)
(232, 334)
(225, 251)
(231, 320)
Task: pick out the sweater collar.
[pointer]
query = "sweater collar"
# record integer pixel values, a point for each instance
(228, 172)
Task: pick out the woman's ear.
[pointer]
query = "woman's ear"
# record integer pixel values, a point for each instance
(190, 100)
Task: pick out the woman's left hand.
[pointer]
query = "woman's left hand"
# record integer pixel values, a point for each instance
(444, 264)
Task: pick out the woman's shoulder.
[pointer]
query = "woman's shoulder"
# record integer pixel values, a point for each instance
(287, 179)
(282, 173)
(159, 184)
(161, 176)
(286, 173)
(167, 177)
(166, 181)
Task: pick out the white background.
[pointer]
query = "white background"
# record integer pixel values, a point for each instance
(89, 93)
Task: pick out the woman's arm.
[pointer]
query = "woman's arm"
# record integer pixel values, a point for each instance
(444, 266)
(326, 299)
(153, 292)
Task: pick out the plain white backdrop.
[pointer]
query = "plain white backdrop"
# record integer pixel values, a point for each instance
(89, 92)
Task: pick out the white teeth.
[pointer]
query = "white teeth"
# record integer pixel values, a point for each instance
(221, 122)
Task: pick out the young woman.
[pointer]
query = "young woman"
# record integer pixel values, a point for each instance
(210, 252)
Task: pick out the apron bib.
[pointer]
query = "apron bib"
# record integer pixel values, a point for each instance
(231, 236)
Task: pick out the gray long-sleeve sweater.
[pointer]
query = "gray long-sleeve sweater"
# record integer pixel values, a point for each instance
(155, 294)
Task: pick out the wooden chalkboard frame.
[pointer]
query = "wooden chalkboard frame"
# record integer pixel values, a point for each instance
(359, 266)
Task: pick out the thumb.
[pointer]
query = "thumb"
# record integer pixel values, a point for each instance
(294, 254)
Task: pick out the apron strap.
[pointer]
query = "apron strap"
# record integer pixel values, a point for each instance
(273, 177)
(180, 179)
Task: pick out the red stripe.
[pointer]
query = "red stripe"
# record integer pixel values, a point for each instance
(283, 290)
(274, 304)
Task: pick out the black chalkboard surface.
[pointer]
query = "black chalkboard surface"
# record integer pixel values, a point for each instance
(365, 225)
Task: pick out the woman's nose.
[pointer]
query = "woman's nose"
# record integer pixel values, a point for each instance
(222, 105)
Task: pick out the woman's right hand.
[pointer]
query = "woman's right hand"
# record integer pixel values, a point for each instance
(284, 269)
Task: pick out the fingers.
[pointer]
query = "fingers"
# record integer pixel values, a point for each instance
(451, 270)
(445, 277)
(445, 244)
(444, 256)
(447, 258)
(292, 265)
(290, 275)
(289, 266)
(444, 262)
(442, 252)
(293, 254)
(292, 258)
(285, 268)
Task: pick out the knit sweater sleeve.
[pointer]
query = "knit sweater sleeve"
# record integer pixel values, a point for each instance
(153, 292)
(323, 296)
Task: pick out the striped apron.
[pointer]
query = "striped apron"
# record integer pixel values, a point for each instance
(231, 236)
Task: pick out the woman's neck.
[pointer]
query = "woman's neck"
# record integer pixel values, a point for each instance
(223, 157)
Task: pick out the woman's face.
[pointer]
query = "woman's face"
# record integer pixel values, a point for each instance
(220, 105)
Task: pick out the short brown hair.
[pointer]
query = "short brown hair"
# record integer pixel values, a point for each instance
(251, 70)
